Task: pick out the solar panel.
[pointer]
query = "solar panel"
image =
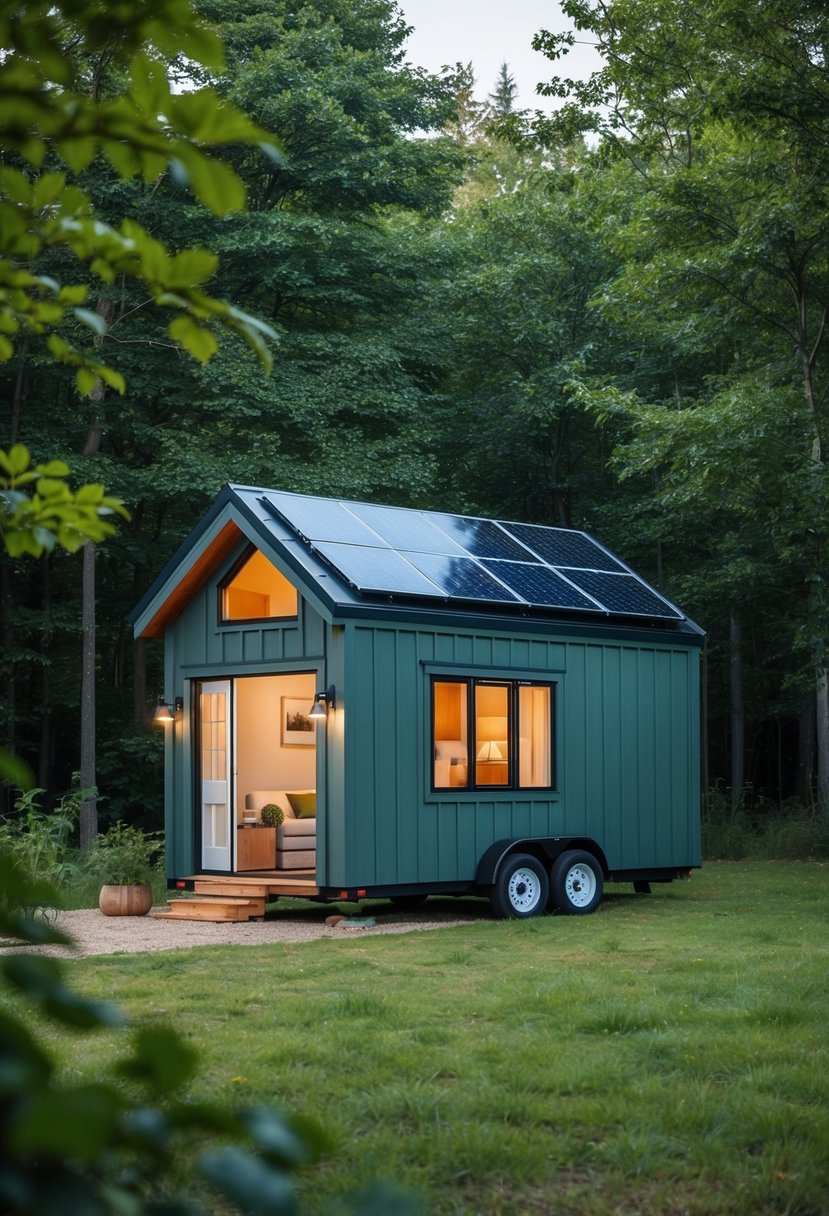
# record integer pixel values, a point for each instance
(480, 537)
(408, 531)
(394, 551)
(623, 594)
(370, 569)
(324, 519)
(539, 585)
(461, 578)
(559, 547)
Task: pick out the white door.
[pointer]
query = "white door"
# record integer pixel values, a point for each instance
(216, 779)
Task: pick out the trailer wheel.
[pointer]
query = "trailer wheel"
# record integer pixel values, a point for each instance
(576, 883)
(521, 887)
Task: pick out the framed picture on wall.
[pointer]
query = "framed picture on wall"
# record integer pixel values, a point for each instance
(297, 729)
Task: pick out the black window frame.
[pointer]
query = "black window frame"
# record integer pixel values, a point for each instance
(229, 622)
(513, 684)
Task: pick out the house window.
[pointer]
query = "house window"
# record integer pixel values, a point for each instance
(492, 733)
(256, 591)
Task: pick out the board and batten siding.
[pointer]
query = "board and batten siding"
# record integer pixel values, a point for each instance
(626, 740)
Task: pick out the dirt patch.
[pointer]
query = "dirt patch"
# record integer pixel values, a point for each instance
(94, 933)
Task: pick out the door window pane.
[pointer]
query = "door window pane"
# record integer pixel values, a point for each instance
(492, 731)
(535, 761)
(451, 732)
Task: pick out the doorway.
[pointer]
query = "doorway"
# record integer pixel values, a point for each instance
(253, 735)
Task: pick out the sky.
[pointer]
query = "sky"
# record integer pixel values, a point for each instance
(490, 32)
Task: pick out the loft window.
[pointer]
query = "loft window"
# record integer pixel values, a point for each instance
(256, 591)
(492, 733)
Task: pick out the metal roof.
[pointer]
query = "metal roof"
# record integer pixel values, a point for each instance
(354, 558)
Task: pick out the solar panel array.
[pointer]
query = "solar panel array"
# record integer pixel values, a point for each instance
(395, 551)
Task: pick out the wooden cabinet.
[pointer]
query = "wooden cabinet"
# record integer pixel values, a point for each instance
(256, 848)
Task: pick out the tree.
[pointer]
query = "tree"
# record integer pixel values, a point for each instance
(721, 113)
(502, 98)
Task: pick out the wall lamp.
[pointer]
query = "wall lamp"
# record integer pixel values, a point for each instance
(167, 713)
(323, 701)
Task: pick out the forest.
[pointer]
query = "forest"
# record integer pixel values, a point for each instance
(610, 315)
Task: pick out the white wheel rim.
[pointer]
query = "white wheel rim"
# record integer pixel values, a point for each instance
(580, 885)
(524, 890)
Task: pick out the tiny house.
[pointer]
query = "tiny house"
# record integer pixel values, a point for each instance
(435, 703)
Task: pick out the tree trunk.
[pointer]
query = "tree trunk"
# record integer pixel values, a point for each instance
(738, 720)
(44, 755)
(822, 723)
(806, 753)
(89, 806)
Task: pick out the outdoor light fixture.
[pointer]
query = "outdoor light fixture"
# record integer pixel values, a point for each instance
(167, 713)
(323, 701)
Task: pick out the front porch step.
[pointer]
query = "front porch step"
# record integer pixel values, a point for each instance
(229, 886)
(216, 908)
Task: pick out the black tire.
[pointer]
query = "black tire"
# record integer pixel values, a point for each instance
(576, 883)
(521, 887)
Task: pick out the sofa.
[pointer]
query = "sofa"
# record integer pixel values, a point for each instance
(296, 836)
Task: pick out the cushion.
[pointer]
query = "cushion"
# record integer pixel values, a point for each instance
(306, 829)
(304, 804)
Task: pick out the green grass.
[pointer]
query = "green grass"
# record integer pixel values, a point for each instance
(668, 1055)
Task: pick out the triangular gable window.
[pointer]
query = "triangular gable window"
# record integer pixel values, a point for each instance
(256, 591)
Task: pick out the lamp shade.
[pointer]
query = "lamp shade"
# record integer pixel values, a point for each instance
(163, 713)
(490, 751)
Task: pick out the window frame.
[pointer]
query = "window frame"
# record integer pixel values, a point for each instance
(513, 685)
(236, 568)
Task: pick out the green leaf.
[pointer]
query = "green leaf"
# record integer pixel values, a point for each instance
(93, 319)
(86, 380)
(76, 1122)
(196, 340)
(259, 1190)
(47, 189)
(213, 183)
(15, 771)
(161, 1059)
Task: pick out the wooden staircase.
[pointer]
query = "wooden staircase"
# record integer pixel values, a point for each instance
(234, 897)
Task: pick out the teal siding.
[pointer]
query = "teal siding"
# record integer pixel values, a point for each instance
(627, 741)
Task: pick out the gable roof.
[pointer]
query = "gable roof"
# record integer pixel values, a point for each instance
(350, 558)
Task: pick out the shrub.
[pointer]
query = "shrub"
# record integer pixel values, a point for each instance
(124, 856)
(42, 843)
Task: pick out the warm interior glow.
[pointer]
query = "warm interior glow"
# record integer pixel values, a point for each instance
(491, 734)
(258, 592)
(451, 753)
(535, 761)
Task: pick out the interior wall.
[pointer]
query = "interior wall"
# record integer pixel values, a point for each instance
(263, 762)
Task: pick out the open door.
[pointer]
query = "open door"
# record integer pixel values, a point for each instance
(216, 779)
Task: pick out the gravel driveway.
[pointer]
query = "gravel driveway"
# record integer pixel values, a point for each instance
(94, 933)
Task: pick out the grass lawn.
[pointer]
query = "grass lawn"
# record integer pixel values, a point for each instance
(668, 1055)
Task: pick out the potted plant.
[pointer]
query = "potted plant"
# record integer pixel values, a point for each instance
(124, 861)
(272, 815)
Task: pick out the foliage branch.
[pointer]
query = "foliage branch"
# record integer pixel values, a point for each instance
(52, 110)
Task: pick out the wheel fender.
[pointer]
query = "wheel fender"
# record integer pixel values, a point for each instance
(546, 848)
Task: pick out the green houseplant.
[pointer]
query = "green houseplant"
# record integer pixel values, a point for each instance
(272, 815)
(124, 861)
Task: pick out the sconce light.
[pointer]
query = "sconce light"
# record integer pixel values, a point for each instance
(323, 701)
(167, 713)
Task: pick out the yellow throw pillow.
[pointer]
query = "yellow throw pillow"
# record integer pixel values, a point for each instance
(304, 806)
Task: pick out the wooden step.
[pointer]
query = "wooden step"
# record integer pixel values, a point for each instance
(218, 908)
(230, 886)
